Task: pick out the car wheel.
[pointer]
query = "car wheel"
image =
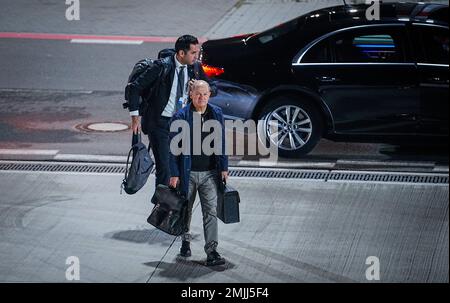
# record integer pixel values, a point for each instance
(294, 126)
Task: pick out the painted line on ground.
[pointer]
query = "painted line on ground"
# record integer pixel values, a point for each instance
(105, 41)
(385, 163)
(93, 158)
(440, 169)
(56, 36)
(35, 152)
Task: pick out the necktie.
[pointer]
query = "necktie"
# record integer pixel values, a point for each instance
(180, 89)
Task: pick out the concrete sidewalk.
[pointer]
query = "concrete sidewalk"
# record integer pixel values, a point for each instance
(115, 17)
(290, 231)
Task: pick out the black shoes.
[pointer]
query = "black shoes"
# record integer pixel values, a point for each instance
(214, 259)
(185, 250)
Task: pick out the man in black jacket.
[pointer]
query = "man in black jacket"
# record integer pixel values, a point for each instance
(170, 79)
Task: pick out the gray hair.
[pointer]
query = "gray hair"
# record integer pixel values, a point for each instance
(199, 83)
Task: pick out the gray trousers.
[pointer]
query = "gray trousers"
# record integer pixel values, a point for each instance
(205, 183)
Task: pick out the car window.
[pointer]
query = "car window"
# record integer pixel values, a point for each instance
(440, 14)
(435, 45)
(369, 46)
(435, 12)
(277, 31)
(319, 53)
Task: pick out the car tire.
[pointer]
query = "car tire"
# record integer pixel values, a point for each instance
(300, 132)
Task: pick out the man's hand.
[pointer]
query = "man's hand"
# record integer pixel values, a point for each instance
(173, 182)
(225, 176)
(191, 82)
(136, 124)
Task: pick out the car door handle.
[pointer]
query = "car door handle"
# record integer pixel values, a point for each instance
(327, 79)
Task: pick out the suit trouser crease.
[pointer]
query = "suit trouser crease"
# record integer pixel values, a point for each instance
(204, 182)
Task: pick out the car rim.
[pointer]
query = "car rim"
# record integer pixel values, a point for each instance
(289, 127)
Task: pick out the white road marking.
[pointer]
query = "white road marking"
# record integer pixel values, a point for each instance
(94, 158)
(386, 163)
(440, 169)
(44, 152)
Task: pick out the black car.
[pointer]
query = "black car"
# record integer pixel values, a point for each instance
(334, 74)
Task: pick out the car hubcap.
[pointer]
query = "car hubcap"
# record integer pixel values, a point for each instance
(289, 127)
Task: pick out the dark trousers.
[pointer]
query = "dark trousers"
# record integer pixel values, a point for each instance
(159, 140)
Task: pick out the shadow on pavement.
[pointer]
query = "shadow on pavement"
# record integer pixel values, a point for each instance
(149, 236)
(142, 236)
(183, 269)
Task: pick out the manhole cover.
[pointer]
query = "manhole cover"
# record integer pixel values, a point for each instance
(103, 127)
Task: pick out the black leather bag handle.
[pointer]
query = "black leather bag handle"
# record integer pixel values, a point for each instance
(177, 190)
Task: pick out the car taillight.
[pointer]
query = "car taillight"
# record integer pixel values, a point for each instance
(212, 71)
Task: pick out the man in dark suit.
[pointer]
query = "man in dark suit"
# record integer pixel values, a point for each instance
(170, 79)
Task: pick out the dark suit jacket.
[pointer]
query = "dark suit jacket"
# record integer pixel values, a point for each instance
(164, 68)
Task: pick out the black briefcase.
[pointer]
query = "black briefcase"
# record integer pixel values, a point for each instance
(228, 204)
(170, 212)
